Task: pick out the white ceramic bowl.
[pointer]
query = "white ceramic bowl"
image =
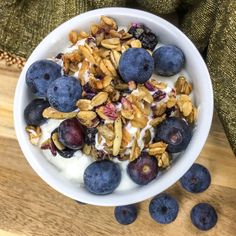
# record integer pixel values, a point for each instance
(55, 42)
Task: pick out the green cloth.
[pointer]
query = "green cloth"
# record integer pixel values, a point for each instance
(210, 24)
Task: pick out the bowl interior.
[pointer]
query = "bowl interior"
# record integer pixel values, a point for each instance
(57, 41)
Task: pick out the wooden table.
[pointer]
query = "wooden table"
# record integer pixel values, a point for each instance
(28, 206)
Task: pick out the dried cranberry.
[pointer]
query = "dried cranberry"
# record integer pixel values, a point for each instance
(159, 95)
(149, 86)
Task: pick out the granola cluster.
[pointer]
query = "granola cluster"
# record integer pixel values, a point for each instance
(124, 114)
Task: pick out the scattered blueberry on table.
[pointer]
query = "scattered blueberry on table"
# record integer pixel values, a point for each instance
(126, 215)
(197, 179)
(163, 208)
(203, 216)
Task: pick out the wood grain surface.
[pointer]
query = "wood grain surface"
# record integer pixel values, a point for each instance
(28, 206)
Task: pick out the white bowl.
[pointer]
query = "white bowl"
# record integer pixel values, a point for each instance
(56, 41)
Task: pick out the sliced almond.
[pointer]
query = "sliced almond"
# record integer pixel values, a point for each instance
(187, 108)
(99, 99)
(156, 121)
(84, 104)
(87, 54)
(126, 137)
(182, 86)
(171, 102)
(87, 149)
(147, 137)
(110, 67)
(100, 112)
(160, 109)
(112, 43)
(94, 29)
(127, 114)
(56, 141)
(118, 136)
(104, 68)
(87, 115)
(109, 21)
(115, 58)
(51, 113)
(34, 134)
(136, 44)
(135, 151)
(157, 148)
(73, 37)
(106, 132)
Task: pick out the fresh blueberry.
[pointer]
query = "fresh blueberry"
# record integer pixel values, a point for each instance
(34, 110)
(144, 34)
(203, 216)
(71, 133)
(89, 136)
(136, 64)
(102, 177)
(169, 60)
(175, 132)
(40, 75)
(126, 215)
(143, 170)
(63, 93)
(66, 152)
(197, 179)
(163, 208)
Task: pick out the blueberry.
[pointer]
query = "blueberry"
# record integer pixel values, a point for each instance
(89, 136)
(34, 110)
(71, 133)
(126, 215)
(66, 152)
(40, 75)
(163, 208)
(169, 60)
(143, 170)
(136, 64)
(144, 34)
(203, 216)
(197, 179)
(63, 93)
(175, 132)
(102, 177)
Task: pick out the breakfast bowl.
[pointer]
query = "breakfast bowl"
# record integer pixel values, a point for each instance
(202, 97)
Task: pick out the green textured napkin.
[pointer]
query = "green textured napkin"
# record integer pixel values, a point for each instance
(210, 24)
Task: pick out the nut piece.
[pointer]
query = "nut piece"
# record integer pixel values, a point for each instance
(135, 151)
(192, 117)
(126, 137)
(118, 136)
(87, 54)
(157, 148)
(115, 58)
(87, 149)
(171, 102)
(160, 109)
(182, 86)
(34, 134)
(56, 141)
(106, 132)
(73, 37)
(157, 121)
(86, 115)
(52, 113)
(185, 104)
(84, 104)
(163, 160)
(99, 99)
(111, 43)
(136, 44)
(109, 21)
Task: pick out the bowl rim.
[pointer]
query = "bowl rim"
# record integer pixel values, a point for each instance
(135, 196)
